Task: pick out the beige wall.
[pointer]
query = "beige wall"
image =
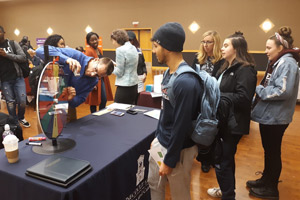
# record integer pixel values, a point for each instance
(70, 17)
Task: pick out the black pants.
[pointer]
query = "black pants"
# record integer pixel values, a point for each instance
(103, 98)
(226, 170)
(271, 137)
(126, 94)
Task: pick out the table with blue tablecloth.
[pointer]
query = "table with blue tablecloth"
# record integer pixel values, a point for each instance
(115, 146)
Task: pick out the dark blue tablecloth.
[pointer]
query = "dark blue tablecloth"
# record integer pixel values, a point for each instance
(115, 146)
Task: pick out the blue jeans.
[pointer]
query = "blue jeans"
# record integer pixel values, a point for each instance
(14, 92)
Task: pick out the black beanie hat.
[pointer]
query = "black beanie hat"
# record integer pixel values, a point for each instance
(170, 36)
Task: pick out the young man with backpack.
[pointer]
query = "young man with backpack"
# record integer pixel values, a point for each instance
(11, 76)
(173, 134)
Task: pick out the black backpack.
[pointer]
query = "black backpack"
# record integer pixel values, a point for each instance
(15, 128)
(34, 77)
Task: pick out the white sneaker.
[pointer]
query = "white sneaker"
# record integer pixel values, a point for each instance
(215, 192)
(24, 123)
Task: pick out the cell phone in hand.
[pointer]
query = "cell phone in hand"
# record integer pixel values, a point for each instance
(132, 112)
(117, 113)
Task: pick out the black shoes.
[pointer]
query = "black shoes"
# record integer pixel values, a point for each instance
(265, 192)
(256, 183)
(205, 167)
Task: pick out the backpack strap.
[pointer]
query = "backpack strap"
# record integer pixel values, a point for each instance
(183, 68)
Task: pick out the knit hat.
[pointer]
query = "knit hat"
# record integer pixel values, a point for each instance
(131, 35)
(170, 36)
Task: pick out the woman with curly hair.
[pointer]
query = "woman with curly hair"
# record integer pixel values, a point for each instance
(102, 91)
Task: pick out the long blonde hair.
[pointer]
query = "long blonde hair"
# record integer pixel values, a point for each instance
(202, 55)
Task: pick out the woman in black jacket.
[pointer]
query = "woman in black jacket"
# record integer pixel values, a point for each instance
(237, 79)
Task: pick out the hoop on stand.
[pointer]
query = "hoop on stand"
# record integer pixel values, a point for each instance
(52, 109)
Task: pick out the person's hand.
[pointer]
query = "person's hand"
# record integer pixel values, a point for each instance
(2, 52)
(165, 169)
(70, 92)
(74, 65)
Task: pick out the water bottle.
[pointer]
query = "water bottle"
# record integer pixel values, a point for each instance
(7, 131)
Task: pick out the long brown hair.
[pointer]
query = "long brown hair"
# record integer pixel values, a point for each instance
(240, 45)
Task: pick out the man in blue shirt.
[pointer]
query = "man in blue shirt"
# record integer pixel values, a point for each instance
(175, 122)
(83, 71)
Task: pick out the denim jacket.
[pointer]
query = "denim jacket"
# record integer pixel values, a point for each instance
(278, 99)
(126, 68)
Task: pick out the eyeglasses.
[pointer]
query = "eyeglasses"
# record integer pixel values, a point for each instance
(96, 69)
(207, 42)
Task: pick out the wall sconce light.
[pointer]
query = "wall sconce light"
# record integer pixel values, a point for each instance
(267, 25)
(50, 31)
(88, 29)
(17, 32)
(194, 27)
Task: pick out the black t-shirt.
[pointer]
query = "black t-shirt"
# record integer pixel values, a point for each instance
(7, 67)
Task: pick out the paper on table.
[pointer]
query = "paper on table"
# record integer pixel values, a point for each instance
(154, 94)
(153, 113)
(157, 155)
(119, 106)
(101, 112)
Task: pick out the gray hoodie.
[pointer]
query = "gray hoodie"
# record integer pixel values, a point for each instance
(278, 99)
